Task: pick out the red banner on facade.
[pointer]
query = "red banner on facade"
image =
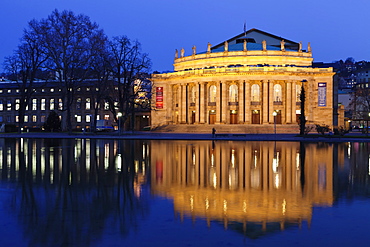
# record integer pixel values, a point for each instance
(159, 98)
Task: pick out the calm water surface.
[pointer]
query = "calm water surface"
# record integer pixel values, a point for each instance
(65, 192)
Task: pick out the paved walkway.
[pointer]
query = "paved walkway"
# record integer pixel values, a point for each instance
(147, 135)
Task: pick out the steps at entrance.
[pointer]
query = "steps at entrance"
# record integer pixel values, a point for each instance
(228, 128)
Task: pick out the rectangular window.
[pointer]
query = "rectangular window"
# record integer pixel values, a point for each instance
(51, 90)
(9, 105)
(78, 118)
(43, 118)
(51, 104)
(87, 89)
(1, 119)
(43, 104)
(106, 117)
(25, 118)
(88, 118)
(9, 90)
(78, 103)
(17, 119)
(106, 105)
(1, 91)
(1, 105)
(88, 105)
(34, 118)
(34, 104)
(60, 104)
(17, 104)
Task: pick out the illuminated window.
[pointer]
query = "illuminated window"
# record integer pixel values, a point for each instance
(87, 89)
(34, 118)
(60, 104)
(106, 105)
(298, 89)
(78, 89)
(88, 104)
(192, 95)
(212, 93)
(34, 104)
(9, 90)
(51, 90)
(17, 104)
(16, 119)
(43, 104)
(1, 105)
(9, 105)
(255, 93)
(25, 118)
(106, 117)
(1, 91)
(78, 118)
(78, 103)
(51, 104)
(17, 90)
(277, 93)
(233, 93)
(88, 118)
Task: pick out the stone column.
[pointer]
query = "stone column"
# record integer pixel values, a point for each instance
(271, 102)
(241, 102)
(265, 101)
(183, 106)
(247, 103)
(218, 103)
(225, 106)
(202, 102)
(197, 103)
(288, 102)
(294, 102)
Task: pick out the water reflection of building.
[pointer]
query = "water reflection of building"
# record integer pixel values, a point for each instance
(259, 182)
(65, 191)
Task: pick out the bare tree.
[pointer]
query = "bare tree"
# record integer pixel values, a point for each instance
(69, 40)
(25, 65)
(129, 68)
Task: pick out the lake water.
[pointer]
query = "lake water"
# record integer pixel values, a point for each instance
(89, 192)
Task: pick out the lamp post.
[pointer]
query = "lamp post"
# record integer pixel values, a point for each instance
(274, 114)
(119, 115)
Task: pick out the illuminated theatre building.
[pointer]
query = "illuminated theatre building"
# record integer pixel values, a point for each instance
(254, 79)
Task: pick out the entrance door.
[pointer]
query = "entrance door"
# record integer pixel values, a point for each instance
(193, 117)
(233, 117)
(255, 117)
(278, 118)
(212, 117)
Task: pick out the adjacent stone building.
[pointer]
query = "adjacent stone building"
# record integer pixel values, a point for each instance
(254, 78)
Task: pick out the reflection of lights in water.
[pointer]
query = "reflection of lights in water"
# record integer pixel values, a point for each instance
(349, 150)
(192, 203)
(207, 203)
(232, 158)
(277, 180)
(369, 164)
(297, 160)
(244, 206)
(119, 162)
(275, 166)
(225, 205)
(136, 162)
(212, 160)
(214, 180)
(106, 156)
(255, 159)
(143, 168)
(283, 207)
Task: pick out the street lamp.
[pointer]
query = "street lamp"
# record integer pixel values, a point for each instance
(119, 115)
(274, 114)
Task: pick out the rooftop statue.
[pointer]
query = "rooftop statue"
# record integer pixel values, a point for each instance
(176, 54)
(209, 47)
(282, 45)
(194, 49)
(182, 52)
(264, 45)
(226, 46)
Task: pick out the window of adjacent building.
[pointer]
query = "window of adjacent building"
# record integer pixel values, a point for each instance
(43, 104)
(116, 104)
(212, 93)
(51, 104)
(17, 90)
(60, 104)
(51, 90)
(43, 90)
(98, 117)
(106, 117)
(277, 93)
(193, 95)
(97, 89)
(1, 91)
(34, 104)
(88, 104)
(106, 105)
(78, 103)
(233, 93)
(1, 105)
(43, 118)
(16, 118)
(78, 89)
(9, 90)
(78, 118)
(298, 90)
(1, 119)
(88, 118)
(255, 93)
(9, 106)
(17, 104)
(87, 89)
(25, 118)
(34, 118)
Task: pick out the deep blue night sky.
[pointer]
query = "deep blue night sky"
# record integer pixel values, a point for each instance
(337, 29)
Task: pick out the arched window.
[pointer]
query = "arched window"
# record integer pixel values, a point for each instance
(255, 93)
(277, 93)
(298, 89)
(233, 93)
(212, 93)
(192, 95)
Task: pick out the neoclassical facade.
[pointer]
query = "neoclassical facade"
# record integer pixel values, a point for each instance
(254, 78)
